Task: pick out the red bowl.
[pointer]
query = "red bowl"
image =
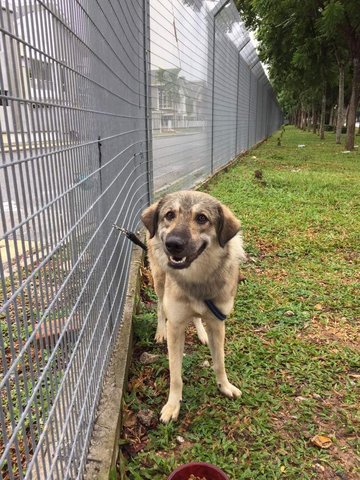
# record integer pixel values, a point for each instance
(199, 469)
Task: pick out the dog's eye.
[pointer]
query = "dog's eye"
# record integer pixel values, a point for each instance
(170, 216)
(201, 219)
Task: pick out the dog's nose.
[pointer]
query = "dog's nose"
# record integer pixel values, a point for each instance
(175, 244)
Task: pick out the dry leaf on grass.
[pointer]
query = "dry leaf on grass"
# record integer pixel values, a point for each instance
(321, 441)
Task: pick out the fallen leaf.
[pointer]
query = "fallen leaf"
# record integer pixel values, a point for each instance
(130, 421)
(318, 306)
(321, 441)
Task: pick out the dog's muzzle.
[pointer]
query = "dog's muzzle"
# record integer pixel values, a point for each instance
(180, 253)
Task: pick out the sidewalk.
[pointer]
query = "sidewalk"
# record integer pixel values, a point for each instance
(176, 133)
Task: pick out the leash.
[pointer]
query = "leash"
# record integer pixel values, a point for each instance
(131, 236)
(135, 239)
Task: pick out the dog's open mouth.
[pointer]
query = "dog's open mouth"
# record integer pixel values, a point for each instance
(185, 262)
(178, 260)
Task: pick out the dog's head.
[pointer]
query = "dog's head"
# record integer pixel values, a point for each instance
(187, 223)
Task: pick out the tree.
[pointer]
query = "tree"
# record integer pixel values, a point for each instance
(303, 42)
(340, 21)
(299, 58)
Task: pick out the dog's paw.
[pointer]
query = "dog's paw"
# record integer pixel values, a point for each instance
(160, 335)
(160, 338)
(229, 390)
(170, 411)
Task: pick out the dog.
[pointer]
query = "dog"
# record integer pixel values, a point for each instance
(194, 249)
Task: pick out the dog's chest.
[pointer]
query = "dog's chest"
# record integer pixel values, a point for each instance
(207, 289)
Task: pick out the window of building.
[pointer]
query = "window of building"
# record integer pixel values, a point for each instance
(164, 99)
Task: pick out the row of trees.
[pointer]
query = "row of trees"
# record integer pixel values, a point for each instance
(312, 48)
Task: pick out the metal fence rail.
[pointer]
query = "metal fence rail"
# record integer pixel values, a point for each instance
(81, 150)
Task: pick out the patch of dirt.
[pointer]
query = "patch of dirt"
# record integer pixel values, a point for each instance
(341, 451)
(333, 329)
(266, 248)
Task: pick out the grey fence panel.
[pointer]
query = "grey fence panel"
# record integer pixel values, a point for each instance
(74, 161)
(263, 111)
(226, 58)
(201, 59)
(259, 110)
(181, 91)
(253, 109)
(243, 107)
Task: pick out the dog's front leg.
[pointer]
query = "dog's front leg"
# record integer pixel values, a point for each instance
(216, 335)
(175, 341)
(160, 335)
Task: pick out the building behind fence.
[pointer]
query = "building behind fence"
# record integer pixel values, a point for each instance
(102, 106)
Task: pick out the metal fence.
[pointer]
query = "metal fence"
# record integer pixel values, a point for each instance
(211, 99)
(74, 161)
(76, 157)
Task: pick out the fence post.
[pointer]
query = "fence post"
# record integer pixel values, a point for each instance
(248, 140)
(237, 105)
(212, 101)
(147, 101)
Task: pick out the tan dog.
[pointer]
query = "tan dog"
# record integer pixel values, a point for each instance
(194, 248)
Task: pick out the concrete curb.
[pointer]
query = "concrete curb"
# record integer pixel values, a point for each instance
(103, 452)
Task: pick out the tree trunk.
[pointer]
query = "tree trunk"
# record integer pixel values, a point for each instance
(302, 121)
(308, 121)
(313, 115)
(340, 109)
(315, 120)
(331, 117)
(322, 117)
(354, 101)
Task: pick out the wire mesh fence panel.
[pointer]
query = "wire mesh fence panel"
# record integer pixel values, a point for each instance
(181, 53)
(253, 109)
(243, 107)
(225, 78)
(208, 103)
(73, 162)
(264, 111)
(259, 111)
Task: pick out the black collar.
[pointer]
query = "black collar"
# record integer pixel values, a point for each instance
(213, 308)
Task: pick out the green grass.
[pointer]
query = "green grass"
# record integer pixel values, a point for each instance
(292, 342)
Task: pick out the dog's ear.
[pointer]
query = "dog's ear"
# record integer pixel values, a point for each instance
(150, 218)
(228, 225)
